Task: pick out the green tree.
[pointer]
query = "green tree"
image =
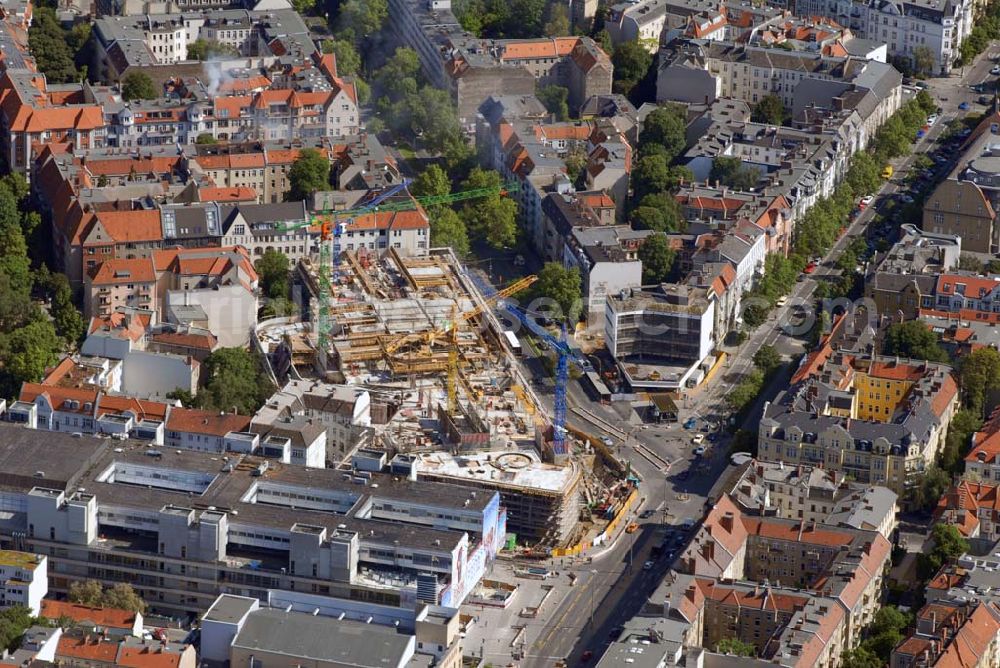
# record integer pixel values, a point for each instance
(889, 618)
(746, 391)
(651, 175)
(733, 173)
(137, 85)
(447, 229)
(657, 258)
(272, 268)
(348, 58)
(735, 647)
(434, 119)
(562, 286)
(576, 161)
(431, 182)
(631, 61)
(555, 100)
(491, 219)
(558, 23)
(948, 544)
(205, 139)
(92, 593)
(860, 657)
(767, 359)
(913, 339)
(49, 46)
(66, 316)
(122, 597)
(27, 352)
(309, 174)
(979, 373)
(770, 110)
(207, 49)
(923, 59)
(14, 621)
(957, 443)
(304, 6)
(363, 17)
(933, 484)
(234, 380)
(665, 127)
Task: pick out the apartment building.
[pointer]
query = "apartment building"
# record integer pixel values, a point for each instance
(952, 634)
(651, 21)
(983, 461)
(962, 209)
(881, 420)
(202, 527)
(24, 579)
(221, 281)
(904, 279)
(660, 335)
(973, 508)
(31, 114)
(907, 28)
(799, 591)
(474, 69)
(813, 494)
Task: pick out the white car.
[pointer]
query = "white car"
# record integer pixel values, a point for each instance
(932, 119)
(995, 70)
(698, 439)
(648, 566)
(782, 300)
(865, 201)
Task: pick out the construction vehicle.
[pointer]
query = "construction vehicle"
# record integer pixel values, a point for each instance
(333, 224)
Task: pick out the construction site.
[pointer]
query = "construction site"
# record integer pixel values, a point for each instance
(421, 332)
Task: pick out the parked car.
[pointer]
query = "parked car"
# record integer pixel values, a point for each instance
(646, 514)
(632, 528)
(782, 300)
(906, 198)
(698, 439)
(964, 106)
(699, 451)
(865, 201)
(995, 69)
(932, 119)
(690, 423)
(810, 268)
(648, 566)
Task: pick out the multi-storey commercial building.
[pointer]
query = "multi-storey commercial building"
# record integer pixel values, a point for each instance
(660, 335)
(203, 525)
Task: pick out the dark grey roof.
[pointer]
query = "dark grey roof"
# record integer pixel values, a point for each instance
(230, 609)
(265, 213)
(339, 642)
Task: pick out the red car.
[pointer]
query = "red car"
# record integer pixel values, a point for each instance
(810, 268)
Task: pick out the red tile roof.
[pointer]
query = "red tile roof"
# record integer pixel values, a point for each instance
(112, 618)
(87, 648)
(194, 421)
(131, 226)
(119, 272)
(539, 48)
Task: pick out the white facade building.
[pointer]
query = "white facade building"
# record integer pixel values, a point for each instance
(25, 580)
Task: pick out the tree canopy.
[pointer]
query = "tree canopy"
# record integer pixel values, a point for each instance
(492, 219)
(913, 339)
(979, 373)
(348, 58)
(770, 110)
(562, 287)
(207, 49)
(555, 100)
(94, 594)
(138, 85)
(512, 19)
(664, 128)
(234, 379)
(272, 268)
(50, 47)
(309, 174)
(447, 229)
(735, 647)
(657, 258)
(731, 172)
(631, 61)
(767, 359)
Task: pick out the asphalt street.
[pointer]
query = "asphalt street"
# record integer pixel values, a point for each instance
(613, 586)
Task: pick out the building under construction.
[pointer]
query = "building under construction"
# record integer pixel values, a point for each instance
(420, 330)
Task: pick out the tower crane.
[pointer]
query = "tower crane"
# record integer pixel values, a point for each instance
(333, 224)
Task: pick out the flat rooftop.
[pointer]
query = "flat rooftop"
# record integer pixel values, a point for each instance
(25, 560)
(340, 642)
(229, 609)
(190, 479)
(502, 468)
